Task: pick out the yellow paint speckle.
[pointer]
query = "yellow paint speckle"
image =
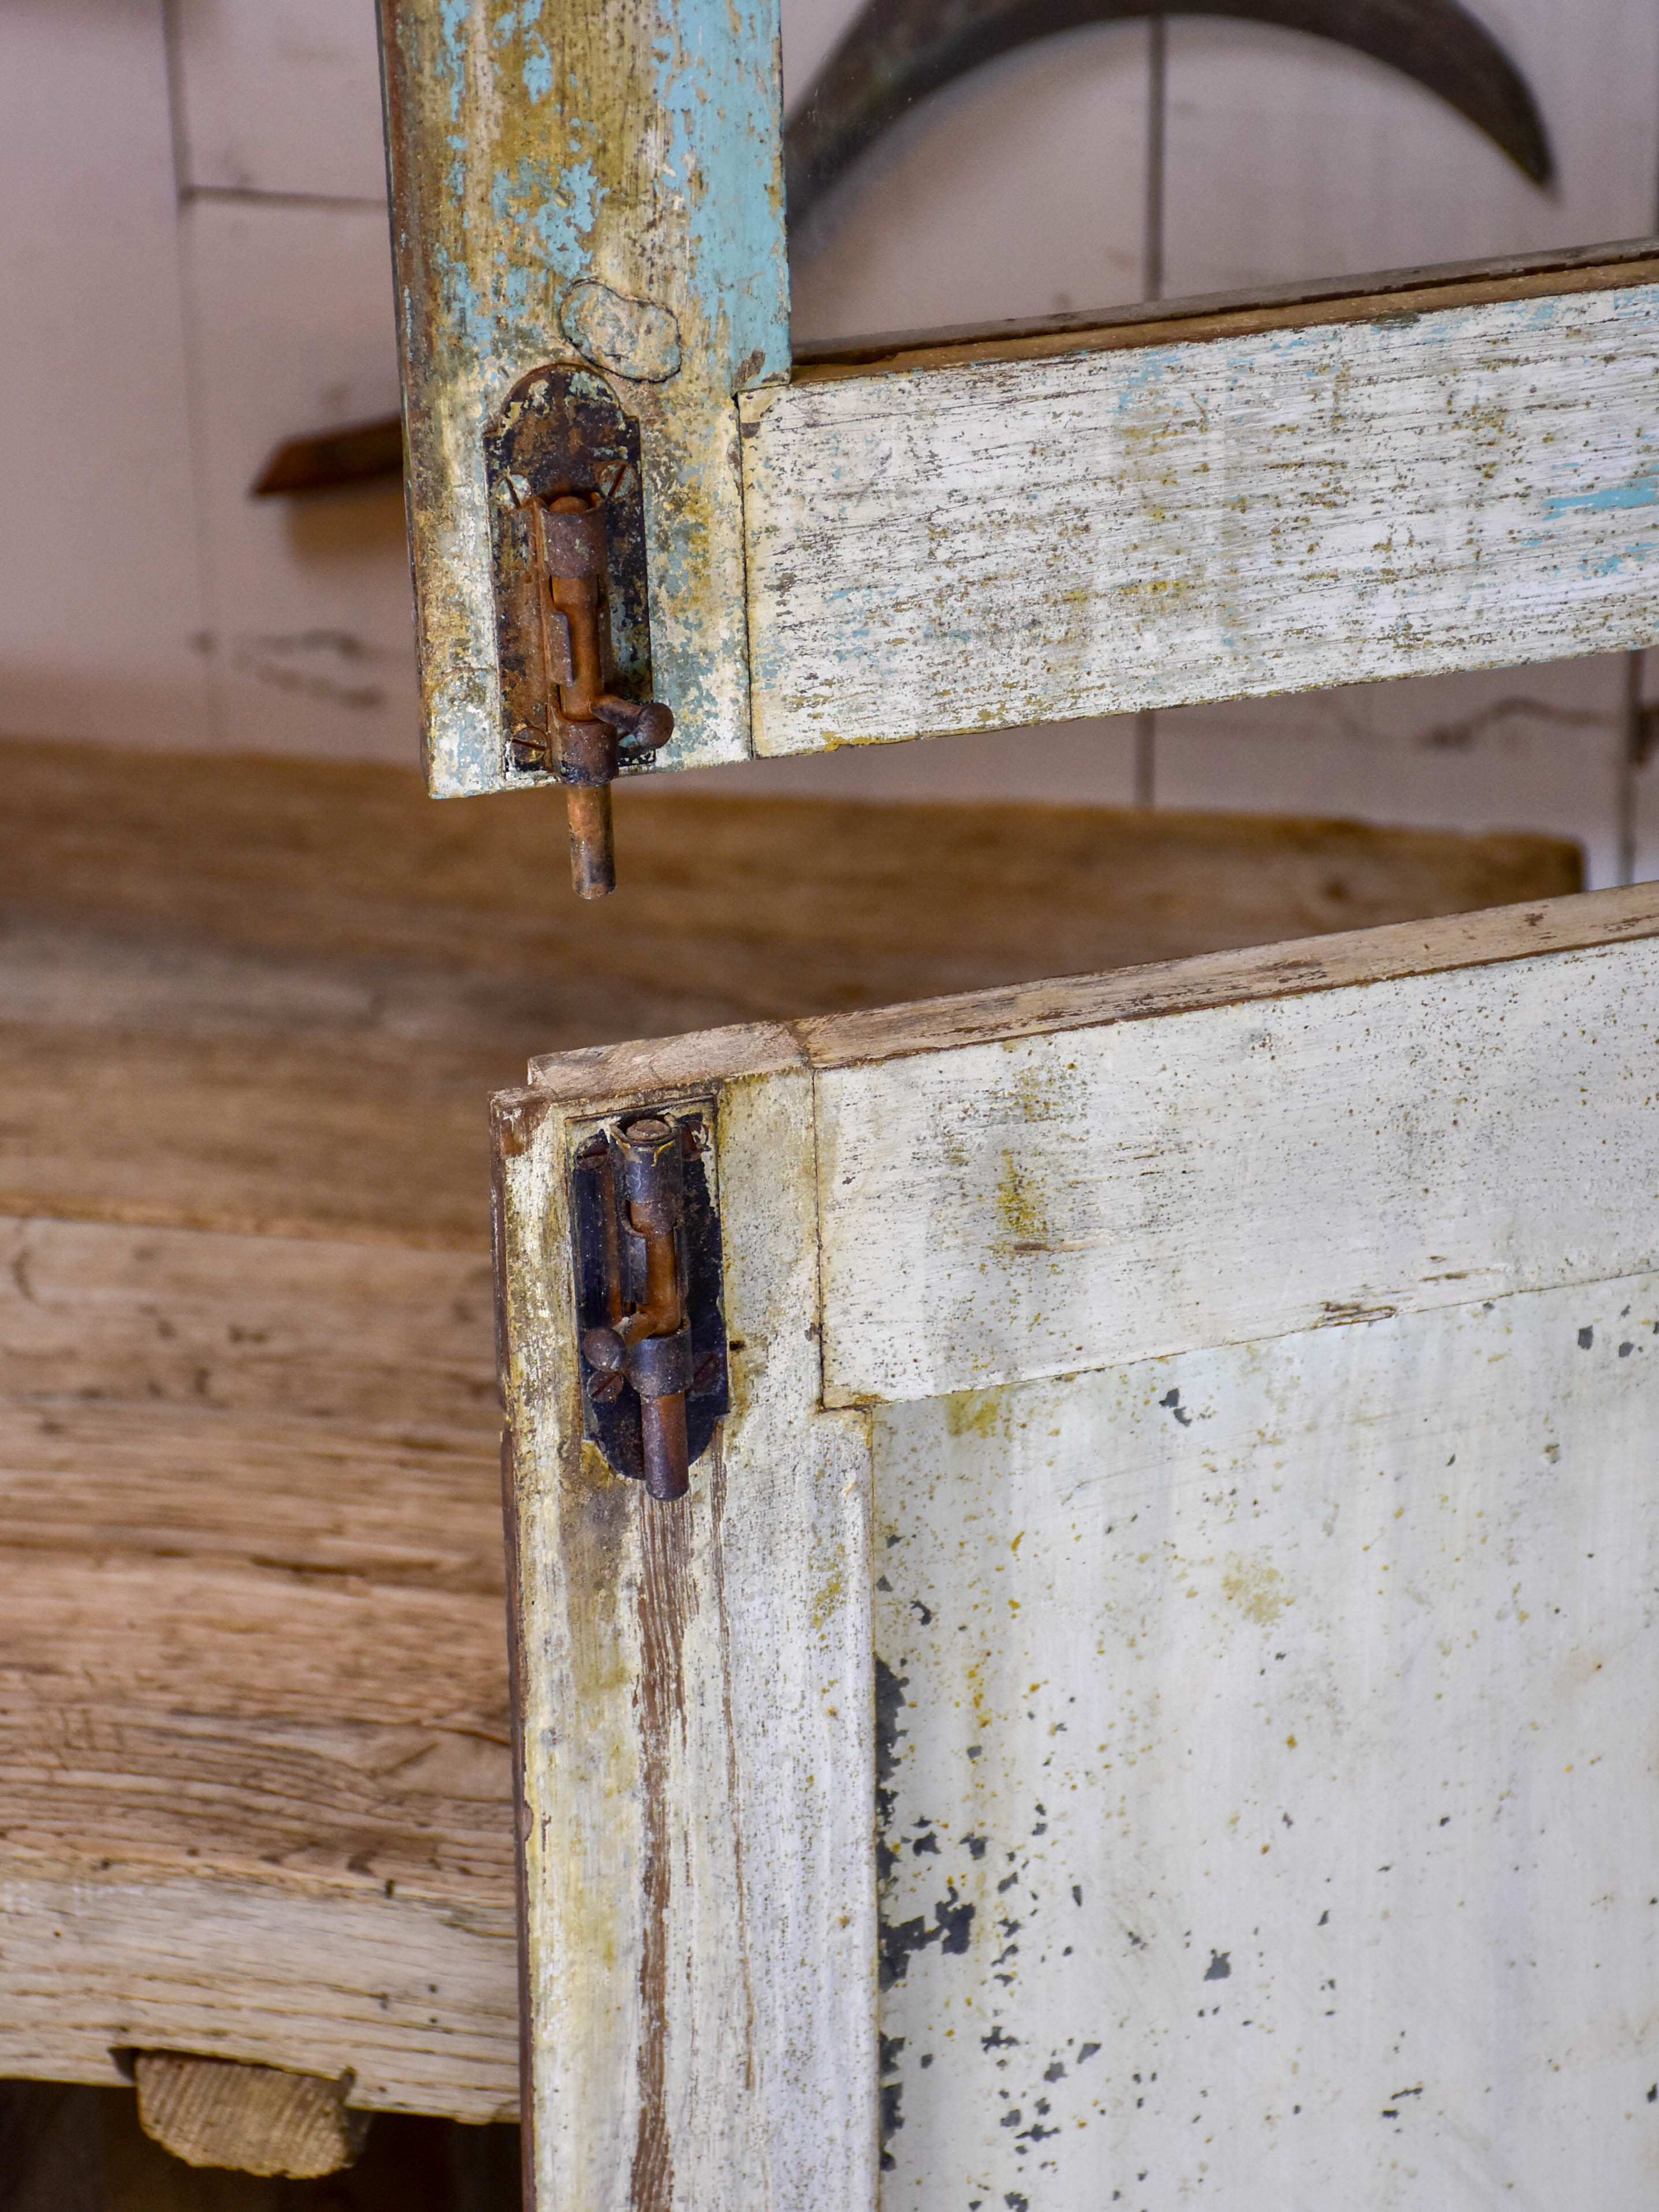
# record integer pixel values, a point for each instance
(1256, 1588)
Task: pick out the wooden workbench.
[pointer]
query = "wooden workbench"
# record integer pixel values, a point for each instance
(253, 1730)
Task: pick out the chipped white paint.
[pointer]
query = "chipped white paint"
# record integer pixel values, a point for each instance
(1369, 1915)
(1002, 542)
(1271, 1727)
(604, 182)
(1051, 1203)
(697, 1725)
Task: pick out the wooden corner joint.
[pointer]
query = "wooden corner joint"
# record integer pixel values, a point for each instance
(216, 2111)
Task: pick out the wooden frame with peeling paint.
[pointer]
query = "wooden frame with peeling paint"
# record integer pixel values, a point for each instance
(1427, 472)
(1340, 1183)
(598, 185)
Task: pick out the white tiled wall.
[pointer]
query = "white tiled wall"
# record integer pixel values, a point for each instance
(1020, 190)
(308, 600)
(209, 196)
(1288, 156)
(280, 96)
(99, 595)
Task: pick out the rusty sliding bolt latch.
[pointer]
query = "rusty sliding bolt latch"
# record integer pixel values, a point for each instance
(572, 619)
(648, 1266)
(591, 733)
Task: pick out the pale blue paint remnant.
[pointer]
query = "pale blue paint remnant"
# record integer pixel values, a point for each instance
(1641, 490)
(538, 70)
(720, 147)
(450, 67)
(496, 312)
(1620, 556)
(558, 208)
(538, 75)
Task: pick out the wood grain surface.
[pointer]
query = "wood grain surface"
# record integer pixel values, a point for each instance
(701, 1905)
(315, 977)
(254, 1773)
(1039, 1205)
(1096, 531)
(1264, 1721)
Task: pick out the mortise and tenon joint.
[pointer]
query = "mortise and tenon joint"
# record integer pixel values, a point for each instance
(647, 1269)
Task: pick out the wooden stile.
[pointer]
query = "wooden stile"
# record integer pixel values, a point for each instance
(603, 186)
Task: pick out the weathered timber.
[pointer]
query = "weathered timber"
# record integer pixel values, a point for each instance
(253, 1713)
(1295, 1673)
(597, 185)
(314, 976)
(1198, 317)
(1239, 1484)
(1109, 523)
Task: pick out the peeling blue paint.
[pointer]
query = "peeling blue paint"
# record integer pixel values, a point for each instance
(1641, 490)
(508, 101)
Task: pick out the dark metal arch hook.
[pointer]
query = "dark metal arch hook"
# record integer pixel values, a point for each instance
(897, 52)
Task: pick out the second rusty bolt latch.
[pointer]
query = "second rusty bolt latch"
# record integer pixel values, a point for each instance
(648, 1264)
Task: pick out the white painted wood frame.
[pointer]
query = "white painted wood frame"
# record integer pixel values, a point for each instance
(1191, 505)
(1418, 473)
(1189, 1481)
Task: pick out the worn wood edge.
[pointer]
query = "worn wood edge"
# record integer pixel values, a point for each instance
(1385, 296)
(656, 1065)
(466, 148)
(608, 2116)
(255, 2119)
(1488, 937)
(597, 1073)
(541, 1451)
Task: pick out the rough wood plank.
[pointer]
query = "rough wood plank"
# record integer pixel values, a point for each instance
(250, 1511)
(1044, 1206)
(1502, 1110)
(270, 996)
(700, 1894)
(252, 1694)
(964, 548)
(418, 1997)
(597, 183)
(1270, 1726)
(257, 2119)
(1266, 971)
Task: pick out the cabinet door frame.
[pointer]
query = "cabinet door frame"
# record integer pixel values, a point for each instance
(696, 1691)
